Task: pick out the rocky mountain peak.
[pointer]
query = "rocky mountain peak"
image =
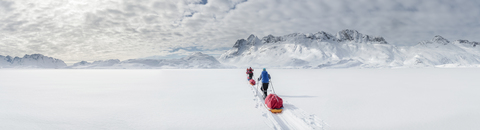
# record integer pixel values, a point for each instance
(251, 37)
(436, 39)
(34, 56)
(271, 39)
(81, 63)
(466, 42)
(8, 59)
(34, 60)
(354, 35)
(239, 43)
(322, 35)
(440, 39)
(348, 35)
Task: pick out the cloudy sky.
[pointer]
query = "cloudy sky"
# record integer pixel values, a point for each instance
(75, 30)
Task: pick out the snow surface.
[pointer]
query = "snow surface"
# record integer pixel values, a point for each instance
(423, 99)
(126, 99)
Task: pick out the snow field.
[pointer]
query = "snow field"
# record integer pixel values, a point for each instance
(291, 116)
(379, 99)
(126, 99)
(374, 99)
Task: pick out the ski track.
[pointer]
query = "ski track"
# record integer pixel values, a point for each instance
(291, 118)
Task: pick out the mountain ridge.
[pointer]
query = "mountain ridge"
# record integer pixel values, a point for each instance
(31, 61)
(347, 49)
(196, 60)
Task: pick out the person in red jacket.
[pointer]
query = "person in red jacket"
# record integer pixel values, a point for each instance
(250, 72)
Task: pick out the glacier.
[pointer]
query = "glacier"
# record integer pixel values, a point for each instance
(348, 49)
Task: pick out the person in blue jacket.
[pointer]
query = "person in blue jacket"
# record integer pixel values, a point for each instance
(265, 77)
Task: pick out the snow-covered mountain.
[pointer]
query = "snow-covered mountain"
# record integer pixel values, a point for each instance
(31, 61)
(95, 64)
(441, 52)
(197, 60)
(347, 49)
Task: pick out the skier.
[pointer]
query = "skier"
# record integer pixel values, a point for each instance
(265, 77)
(250, 72)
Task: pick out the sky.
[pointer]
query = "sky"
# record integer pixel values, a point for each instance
(89, 30)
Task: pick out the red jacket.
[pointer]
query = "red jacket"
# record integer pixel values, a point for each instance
(249, 71)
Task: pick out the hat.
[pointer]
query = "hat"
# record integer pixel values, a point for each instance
(264, 69)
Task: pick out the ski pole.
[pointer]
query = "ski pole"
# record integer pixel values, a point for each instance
(271, 82)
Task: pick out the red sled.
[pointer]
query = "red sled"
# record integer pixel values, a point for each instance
(252, 82)
(273, 101)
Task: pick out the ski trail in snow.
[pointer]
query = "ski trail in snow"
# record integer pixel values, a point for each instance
(291, 118)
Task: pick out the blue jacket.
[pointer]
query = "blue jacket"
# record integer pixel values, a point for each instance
(265, 77)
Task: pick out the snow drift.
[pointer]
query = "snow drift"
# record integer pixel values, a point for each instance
(347, 49)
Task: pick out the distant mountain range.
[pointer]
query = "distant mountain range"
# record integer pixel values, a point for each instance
(31, 61)
(345, 49)
(197, 60)
(348, 49)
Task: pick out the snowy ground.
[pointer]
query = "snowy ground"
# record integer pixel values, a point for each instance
(222, 99)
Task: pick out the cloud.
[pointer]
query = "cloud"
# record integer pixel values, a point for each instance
(5, 6)
(125, 29)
